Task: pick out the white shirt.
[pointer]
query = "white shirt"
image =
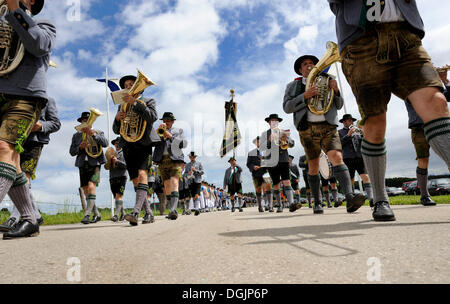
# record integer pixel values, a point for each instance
(311, 117)
(391, 12)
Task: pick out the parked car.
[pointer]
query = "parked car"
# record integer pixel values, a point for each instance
(413, 189)
(439, 186)
(405, 185)
(393, 191)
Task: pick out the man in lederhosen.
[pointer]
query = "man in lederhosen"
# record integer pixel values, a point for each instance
(194, 172)
(40, 135)
(22, 96)
(169, 155)
(254, 165)
(421, 145)
(319, 132)
(117, 179)
(351, 152)
(233, 182)
(390, 48)
(137, 153)
(276, 160)
(89, 167)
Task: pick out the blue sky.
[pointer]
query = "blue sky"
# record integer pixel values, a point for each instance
(195, 51)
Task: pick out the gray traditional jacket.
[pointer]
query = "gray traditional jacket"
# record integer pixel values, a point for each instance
(294, 102)
(50, 124)
(81, 154)
(174, 146)
(237, 172)
(38, 38)
(348, 17)
(197, 174)
(149, 114)
(120, 169)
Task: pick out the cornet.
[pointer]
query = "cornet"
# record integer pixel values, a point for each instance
(161, 131)
(357, 129)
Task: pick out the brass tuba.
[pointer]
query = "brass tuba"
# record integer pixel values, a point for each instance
(132, 127)
(93, 149)
(321, 103)
(12, 49)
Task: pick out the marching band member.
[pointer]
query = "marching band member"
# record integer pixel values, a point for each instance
(169, 155)
(401, 68)
(39, 136)
(117, 179)
(88, 166)
(421, 146)
(254, 165)
(233, 182)
(319, 132)
(279, 164)
(137, 153)
(22, 96)
(195, 172)
(351, 152)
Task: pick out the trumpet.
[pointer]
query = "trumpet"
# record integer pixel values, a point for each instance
(357, 129)
(278, 134)
(161, 131)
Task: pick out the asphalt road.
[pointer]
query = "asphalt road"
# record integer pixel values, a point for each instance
(233, 248)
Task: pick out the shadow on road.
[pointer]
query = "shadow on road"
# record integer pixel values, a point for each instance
(83, 227)
(298, 236)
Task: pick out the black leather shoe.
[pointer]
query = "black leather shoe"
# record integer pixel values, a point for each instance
(337, 204)
(86, 220)
(427, 201)
(40, 221)
(371, 204)
(241, 210)
(354, 202)
(115, 219)
(96, 219)
(382, 212)
(23, 229)
(8, 225)
(271, 209)
(197, 212)
(148, 218)
(261, 210)
(232, 209)
(132, 218)
(266, 208)
(318, 208)
(173, 215)
(295, 207)
(122, 217)
(329, 205)
(310, 205)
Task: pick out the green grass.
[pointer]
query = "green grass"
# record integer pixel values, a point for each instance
(67, 217)
(75, 217)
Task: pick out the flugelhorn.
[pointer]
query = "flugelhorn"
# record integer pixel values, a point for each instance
(132, 127)
(321, 103)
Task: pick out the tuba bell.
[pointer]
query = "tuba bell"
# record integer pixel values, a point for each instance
(321, 103)
(12, 49)
(93, 149)
(132, 127)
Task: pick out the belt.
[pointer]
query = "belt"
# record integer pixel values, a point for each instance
(20, 97)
